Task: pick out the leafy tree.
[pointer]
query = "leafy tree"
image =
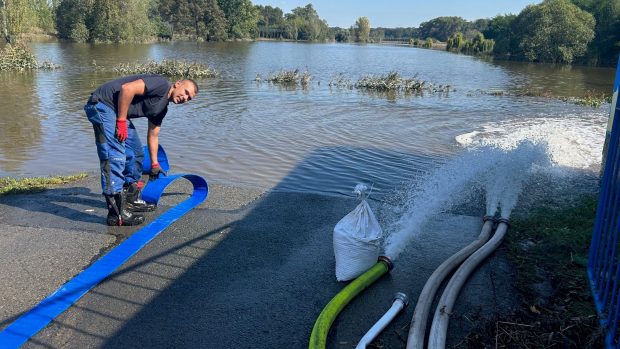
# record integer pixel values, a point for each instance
(105, 23)
(304, 23)
(480, 45)
(198, 18)
(441, 28)
(178, 13)
(500, 30)
(377, 35)
(5, 28)
(18, 16)
(119, 21)
(456, 42)
(605, 46)
(480, 24)
(553, 31)
(270, 22)
(340, 34)
(215, 21)
(45, 14)
(79, 32)
(362, 29)
(137, 24)
(71, 17)
(241, 18)
(403, 34)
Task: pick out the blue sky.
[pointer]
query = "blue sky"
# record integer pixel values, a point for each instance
(400, 13)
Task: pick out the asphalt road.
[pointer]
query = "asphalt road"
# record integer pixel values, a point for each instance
(248, 268)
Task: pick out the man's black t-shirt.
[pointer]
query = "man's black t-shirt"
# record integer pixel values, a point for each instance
(153, 104)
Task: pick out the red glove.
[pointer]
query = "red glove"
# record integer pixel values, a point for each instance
(155, 171)
(121, 130)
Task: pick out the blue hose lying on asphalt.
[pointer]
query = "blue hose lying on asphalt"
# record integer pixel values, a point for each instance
(34, 320)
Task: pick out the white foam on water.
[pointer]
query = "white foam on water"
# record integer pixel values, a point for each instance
(573, 140)
(500, 158)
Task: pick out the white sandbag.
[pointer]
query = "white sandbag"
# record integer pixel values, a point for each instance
(357, 242)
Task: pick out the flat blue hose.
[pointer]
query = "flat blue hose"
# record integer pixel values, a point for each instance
(34, 320)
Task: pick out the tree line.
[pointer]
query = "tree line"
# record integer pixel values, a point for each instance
(563, 31)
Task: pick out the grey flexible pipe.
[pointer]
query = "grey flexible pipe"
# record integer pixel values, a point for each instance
(417, 329)
(400, 301)
(439, 328)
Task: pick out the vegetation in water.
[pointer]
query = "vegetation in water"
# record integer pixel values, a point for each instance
(17, 57)
(10, 185)
(589, 98)
(288, 78)
(592, 99)
(168, 67)
(394, 82)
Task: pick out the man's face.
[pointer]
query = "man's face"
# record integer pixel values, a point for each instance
(183, 91)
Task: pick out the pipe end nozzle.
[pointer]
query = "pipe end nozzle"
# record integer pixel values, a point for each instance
(402, 297)
(387, 261)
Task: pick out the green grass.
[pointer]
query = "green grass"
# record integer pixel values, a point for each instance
(10, 185)
(549, 250)
(554, 242)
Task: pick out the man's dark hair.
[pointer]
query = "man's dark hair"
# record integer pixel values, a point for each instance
(193, 83)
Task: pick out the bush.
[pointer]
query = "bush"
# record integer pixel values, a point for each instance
(17, 57)
(79, 33)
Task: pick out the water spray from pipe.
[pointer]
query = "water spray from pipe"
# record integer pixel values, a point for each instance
(504, 182)
(500, 172)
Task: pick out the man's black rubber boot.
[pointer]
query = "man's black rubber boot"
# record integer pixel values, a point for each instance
(118, 214)
(134, 203)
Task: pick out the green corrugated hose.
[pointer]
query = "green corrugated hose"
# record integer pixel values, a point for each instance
(318, 338)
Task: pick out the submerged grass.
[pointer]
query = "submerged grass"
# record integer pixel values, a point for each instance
(17, 57)
(288, 77)
(589, 98)
(35, 184)
(592, 99)
(549, 251)
(168, 67)
(391, 82)
(394, 82)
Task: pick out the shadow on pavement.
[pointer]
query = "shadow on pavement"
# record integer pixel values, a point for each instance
(258, 277)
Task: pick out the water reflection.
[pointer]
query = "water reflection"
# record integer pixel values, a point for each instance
(237, 130)
(559, 80)
(20, 121)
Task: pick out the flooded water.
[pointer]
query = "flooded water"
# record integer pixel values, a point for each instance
(318, 139)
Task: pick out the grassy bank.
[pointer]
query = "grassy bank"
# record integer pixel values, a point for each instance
(36, 184)
(549, 251)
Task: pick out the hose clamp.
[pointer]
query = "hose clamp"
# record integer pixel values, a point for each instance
(387, 261)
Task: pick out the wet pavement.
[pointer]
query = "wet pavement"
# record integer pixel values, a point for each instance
(248, 268)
